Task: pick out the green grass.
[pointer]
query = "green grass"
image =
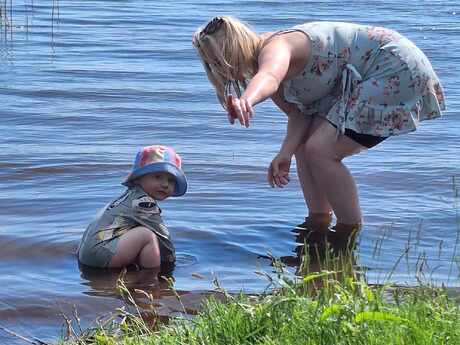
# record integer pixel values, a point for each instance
(331, 306)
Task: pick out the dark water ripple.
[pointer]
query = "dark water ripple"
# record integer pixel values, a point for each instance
(83, 87)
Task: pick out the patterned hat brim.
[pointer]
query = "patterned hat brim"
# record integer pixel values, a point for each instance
(181, 180)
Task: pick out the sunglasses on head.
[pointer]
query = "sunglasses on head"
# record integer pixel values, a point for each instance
(212, 26)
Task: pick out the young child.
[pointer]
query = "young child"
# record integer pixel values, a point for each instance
(129, 230)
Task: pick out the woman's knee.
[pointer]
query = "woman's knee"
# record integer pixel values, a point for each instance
(318, 151)
(325, 146)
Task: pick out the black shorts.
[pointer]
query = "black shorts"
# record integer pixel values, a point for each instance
(365, 140)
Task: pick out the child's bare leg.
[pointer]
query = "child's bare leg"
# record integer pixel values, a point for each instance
(324, 153)
(138, 244)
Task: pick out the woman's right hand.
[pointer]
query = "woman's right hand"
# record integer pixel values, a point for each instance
(239, 108)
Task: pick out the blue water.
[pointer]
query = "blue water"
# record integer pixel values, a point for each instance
(84, 84)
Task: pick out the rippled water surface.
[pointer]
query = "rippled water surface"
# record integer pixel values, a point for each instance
(84, 84)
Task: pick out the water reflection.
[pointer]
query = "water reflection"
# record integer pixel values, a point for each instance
(315, 261)
(319, 246)
(103, 282)
(150, 291)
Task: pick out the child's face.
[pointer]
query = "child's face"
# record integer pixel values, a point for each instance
(158, 185)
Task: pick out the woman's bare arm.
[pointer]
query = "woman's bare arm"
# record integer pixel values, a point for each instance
(281, 58)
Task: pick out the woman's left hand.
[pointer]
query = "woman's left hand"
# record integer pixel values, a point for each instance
(241, 109)
(278, 171)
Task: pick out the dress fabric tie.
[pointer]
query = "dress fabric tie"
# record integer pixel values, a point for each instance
(350, 77)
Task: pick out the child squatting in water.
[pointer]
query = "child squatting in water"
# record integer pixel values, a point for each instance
(130, 230)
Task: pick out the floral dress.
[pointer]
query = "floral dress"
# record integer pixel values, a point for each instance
(368, 79)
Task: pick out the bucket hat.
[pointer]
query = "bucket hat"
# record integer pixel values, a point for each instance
(158, 158)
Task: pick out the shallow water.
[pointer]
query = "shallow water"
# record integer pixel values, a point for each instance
(83, 86)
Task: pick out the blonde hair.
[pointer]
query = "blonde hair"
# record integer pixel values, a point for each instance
(228, 52)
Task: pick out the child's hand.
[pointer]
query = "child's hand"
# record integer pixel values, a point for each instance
(239, 108)
(278, 171)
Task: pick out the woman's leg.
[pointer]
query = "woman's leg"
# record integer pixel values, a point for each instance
(314, 195)
(137, 245)
(324, 152)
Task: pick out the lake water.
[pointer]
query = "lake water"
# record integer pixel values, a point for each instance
(84, 84)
